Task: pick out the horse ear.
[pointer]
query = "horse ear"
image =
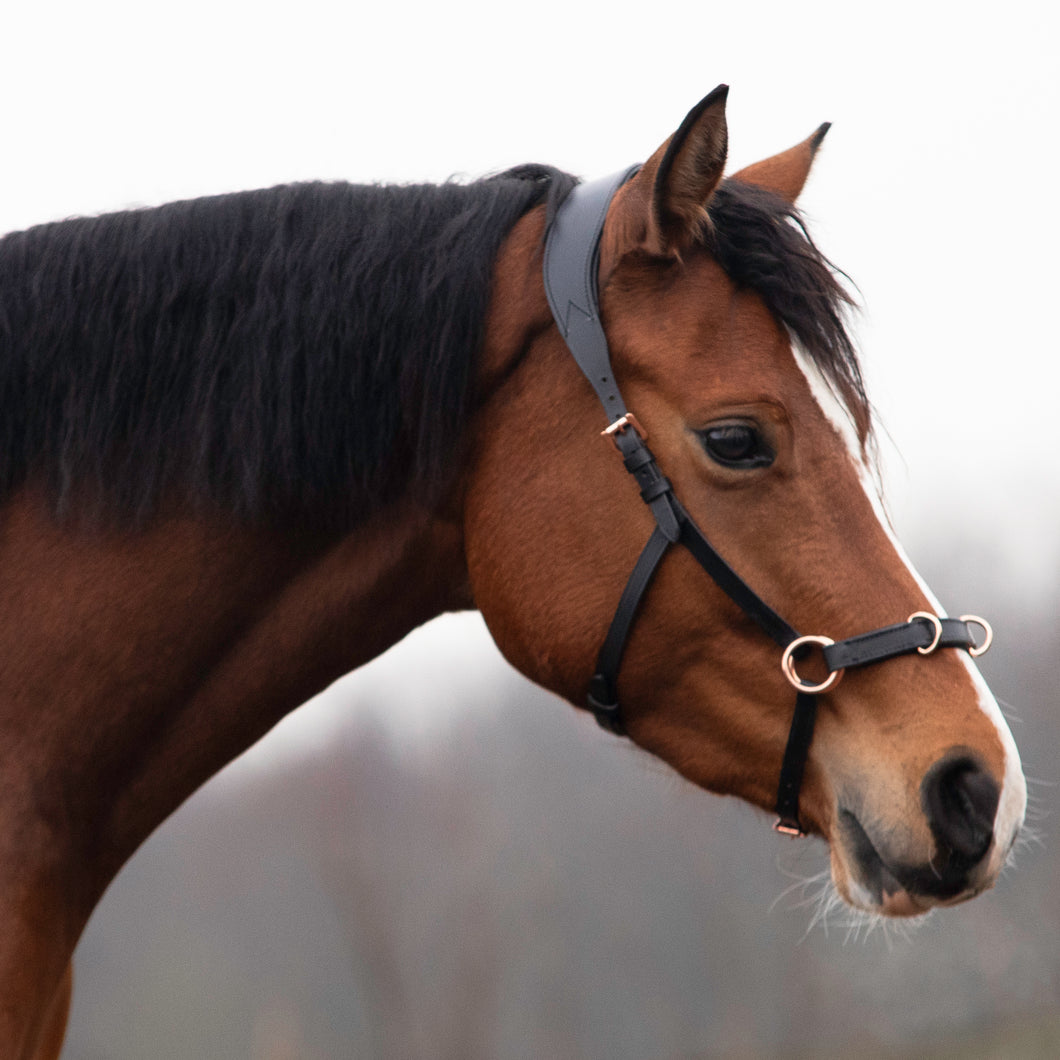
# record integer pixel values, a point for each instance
(785, 173)
(676, 183)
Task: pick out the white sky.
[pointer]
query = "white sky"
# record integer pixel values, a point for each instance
(935, 191)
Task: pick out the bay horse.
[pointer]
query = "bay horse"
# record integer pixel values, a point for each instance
(251, 441)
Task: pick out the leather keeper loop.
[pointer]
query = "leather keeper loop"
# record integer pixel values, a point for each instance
(638, 458)
(655, 489)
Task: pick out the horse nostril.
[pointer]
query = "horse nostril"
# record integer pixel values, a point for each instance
(960, 800)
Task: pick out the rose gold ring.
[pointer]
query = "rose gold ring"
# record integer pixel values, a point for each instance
(988, 635)
(787, 664)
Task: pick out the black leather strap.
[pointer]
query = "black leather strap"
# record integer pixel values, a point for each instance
(572, 251)
(793, 765)
(603, 691)
(655, 488)
(571, 278)
(733, 585)
(892, 641)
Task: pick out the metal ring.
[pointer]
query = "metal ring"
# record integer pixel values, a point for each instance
(787, 664)
(934, 620)
(976, 651)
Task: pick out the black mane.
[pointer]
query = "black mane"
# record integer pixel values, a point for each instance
(761, 242)
(306, 350)
(302, 349)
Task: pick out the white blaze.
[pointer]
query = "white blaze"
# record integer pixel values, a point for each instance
(1013, 802)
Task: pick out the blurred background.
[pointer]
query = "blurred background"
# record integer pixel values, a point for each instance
(435, 859)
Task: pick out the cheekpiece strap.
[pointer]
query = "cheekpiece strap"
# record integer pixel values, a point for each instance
(800, 736)
(572, 259)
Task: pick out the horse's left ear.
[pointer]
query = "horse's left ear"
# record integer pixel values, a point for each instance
(785, 173)
(663, 209)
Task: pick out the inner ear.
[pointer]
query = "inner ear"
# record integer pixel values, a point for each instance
(663, 209)
(691, 166)
(684, 173)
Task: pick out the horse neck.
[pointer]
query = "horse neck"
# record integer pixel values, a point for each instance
(137, 664)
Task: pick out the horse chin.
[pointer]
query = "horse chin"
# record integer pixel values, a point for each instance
(897, 903)
(869, 882)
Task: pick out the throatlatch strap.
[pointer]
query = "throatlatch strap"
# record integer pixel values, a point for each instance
(603, 691)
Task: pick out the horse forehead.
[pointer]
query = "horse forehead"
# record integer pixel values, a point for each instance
(693, 322)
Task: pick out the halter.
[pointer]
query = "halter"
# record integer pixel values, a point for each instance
(572, 249)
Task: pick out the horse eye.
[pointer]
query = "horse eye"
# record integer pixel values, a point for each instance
(737, 445)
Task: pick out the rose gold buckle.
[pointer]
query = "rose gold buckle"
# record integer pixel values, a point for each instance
(628, 420)
(787, 828)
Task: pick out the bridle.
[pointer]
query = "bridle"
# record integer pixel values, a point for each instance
(571, 269)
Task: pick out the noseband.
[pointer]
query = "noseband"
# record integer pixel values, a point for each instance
(571, 269)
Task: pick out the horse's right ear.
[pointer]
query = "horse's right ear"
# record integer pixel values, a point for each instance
(665, 205)
(786, 173)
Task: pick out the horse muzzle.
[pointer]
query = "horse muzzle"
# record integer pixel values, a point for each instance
(877, 871)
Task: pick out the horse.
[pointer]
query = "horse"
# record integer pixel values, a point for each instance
(250, 441)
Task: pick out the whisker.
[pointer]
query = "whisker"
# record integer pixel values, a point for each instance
(800, 885)
(830, 912)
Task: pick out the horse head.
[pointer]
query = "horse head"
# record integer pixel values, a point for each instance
(724, 325)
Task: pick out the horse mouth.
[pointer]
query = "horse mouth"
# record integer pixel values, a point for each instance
(895, 889)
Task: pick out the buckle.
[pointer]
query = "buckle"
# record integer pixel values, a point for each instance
(628, 420)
